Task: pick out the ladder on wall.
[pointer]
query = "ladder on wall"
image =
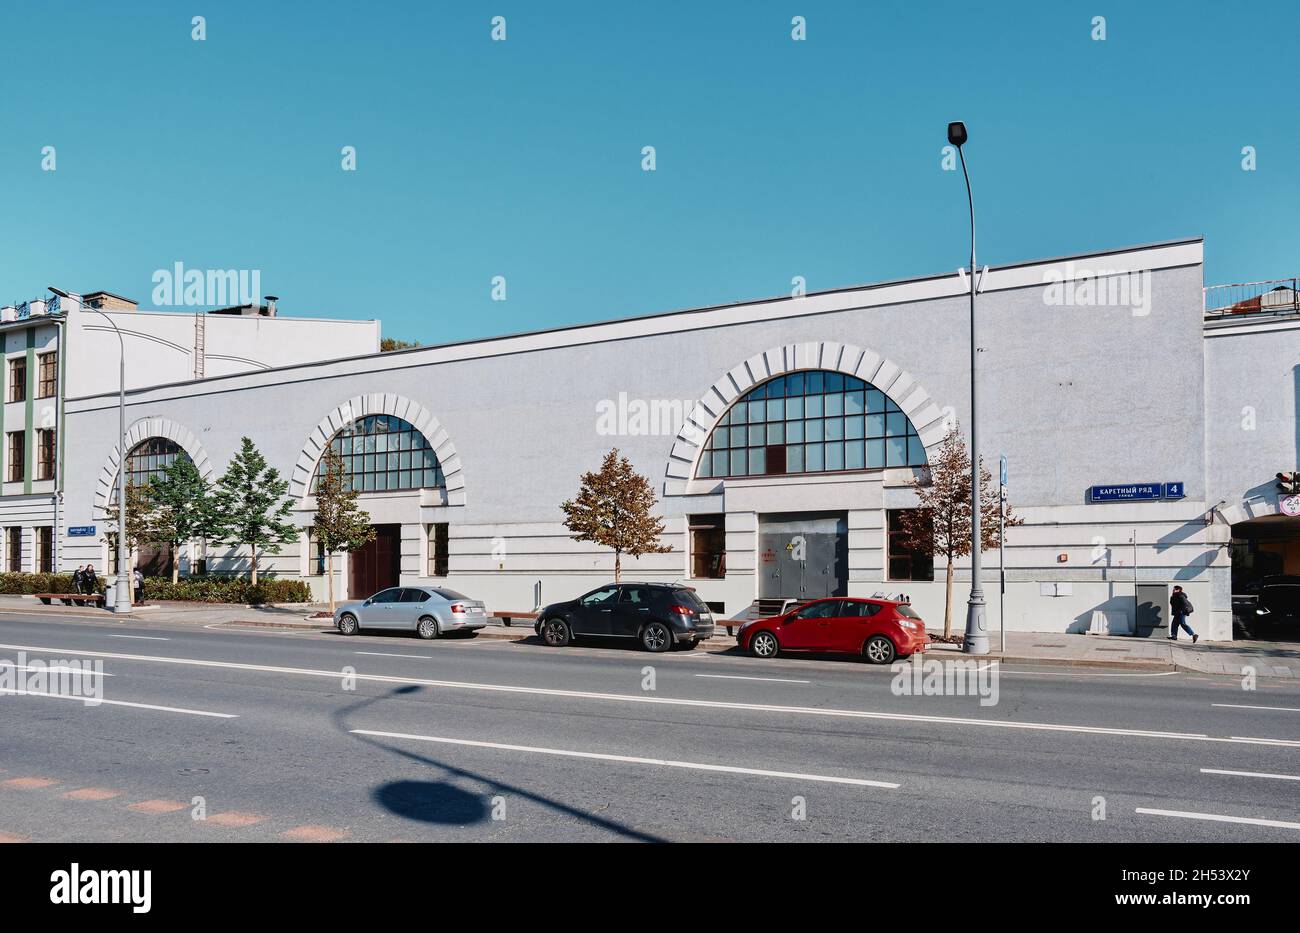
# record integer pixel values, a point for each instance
(199, 347)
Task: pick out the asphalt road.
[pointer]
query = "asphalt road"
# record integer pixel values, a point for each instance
(271, 738)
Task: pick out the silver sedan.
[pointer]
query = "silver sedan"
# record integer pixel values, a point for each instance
(429, 611)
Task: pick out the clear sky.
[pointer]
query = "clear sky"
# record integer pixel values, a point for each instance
(523, 158)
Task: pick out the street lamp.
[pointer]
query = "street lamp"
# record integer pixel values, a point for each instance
(122, 597)
(977, 634)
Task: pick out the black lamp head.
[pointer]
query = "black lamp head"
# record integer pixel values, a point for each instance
(957, 133)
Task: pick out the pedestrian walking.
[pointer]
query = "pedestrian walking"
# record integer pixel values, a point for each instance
(77, 582)
(139, 586)
(1181, 607)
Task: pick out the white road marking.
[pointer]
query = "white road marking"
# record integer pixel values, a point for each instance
(91, 701)
(1219, 818)
(142, 637)
(672, 701)
(80, 672)
(383, 654)
(1276, 709)
(770, 680)
(628, 759)
(1258, 774)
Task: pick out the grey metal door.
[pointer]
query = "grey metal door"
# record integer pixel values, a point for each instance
(803, 556)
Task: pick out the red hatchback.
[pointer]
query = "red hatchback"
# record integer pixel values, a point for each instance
(878, 629)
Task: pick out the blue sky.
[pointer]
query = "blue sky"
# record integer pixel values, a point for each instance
(522, 158)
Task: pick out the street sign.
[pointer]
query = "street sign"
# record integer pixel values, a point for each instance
(1291, 505)
(81, 531)
(1136, 492)
(1002, 469)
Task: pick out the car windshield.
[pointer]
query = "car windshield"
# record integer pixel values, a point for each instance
(906, 611)
(449, 594)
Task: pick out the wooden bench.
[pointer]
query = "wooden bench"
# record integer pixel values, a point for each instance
(72, 599)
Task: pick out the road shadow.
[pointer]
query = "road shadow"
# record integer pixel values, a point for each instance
(442, 803)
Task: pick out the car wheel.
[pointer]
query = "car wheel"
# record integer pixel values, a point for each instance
(764, 645)
(428, 628)
(556, 633)
(656, 637)
(879, 649)
(347, 624)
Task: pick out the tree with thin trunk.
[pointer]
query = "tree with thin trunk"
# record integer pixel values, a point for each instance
(341, 525)
(612, 509)
(941, 526)
(182, 508)
(250, 505)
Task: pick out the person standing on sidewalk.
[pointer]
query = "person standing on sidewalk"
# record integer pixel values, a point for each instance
(1181, 607)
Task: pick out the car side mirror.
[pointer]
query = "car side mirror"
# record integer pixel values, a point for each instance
(367, 602)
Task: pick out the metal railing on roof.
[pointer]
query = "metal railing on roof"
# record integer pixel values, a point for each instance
(1276, 296)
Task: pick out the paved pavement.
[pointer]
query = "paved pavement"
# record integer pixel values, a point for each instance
(284, 735)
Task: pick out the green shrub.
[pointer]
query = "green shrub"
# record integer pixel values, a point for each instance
(23, 584)
(227, 590)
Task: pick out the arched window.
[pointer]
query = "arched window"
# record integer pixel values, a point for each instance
(150, 458)
(382, 453)
(811, 422)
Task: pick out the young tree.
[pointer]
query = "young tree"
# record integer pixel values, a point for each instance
(341, 525)
(612, 509)
(250, 505)
(182, 508)
(942, 524)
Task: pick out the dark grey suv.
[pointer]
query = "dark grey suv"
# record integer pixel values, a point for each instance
(658, 615)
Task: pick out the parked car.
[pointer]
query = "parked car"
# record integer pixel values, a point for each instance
(657, 615)
(429, 611)
(1278, 604)
(878, 629)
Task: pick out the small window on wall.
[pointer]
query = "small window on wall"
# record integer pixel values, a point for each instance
(45, 453)
(315, 554)
(17, 465)
(906, 563)
(44, 549)
(14, 549)
(48, 372)
(437, 550)
(17, 380)
(708, 546)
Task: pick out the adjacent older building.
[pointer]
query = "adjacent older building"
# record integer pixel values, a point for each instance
(67, 345)
(783, 438)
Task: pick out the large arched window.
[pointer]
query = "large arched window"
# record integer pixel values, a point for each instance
(810, 422)
(150, 458)
(382, 453)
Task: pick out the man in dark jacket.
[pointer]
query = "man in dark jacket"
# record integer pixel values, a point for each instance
(1181, 607)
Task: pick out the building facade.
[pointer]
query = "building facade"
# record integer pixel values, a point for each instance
(67, 345)
(782, 438)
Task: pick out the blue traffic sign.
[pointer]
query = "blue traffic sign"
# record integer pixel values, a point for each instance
(1136, 492)
(81, 531)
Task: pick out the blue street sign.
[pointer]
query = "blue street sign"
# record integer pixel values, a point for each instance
(1136, 492)
(1002, 469)
(81, 531)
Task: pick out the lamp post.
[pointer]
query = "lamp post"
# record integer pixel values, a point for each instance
(122, 597)
(977, 634)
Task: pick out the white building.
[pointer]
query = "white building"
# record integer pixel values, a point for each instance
(60, 347)
(769, 424)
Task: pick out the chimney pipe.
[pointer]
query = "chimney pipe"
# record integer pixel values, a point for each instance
(270, 305)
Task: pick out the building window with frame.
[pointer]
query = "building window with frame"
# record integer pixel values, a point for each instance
(47, 374)
(315, 554)
(14, 549)
(438, 549)
(905, 563)
(17, 391)
(708, 543)
(44, 549)
(810, 421)
(45, 453)
(16, 469)
(382, 453)
(150, 458)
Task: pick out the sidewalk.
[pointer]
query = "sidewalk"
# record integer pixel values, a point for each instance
(1268, 658)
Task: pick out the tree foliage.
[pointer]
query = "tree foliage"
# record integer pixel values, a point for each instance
(613, 509)
(250, 504)
(341, 524)
(181, 508)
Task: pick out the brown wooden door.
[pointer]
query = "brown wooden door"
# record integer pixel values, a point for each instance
(376, 566)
